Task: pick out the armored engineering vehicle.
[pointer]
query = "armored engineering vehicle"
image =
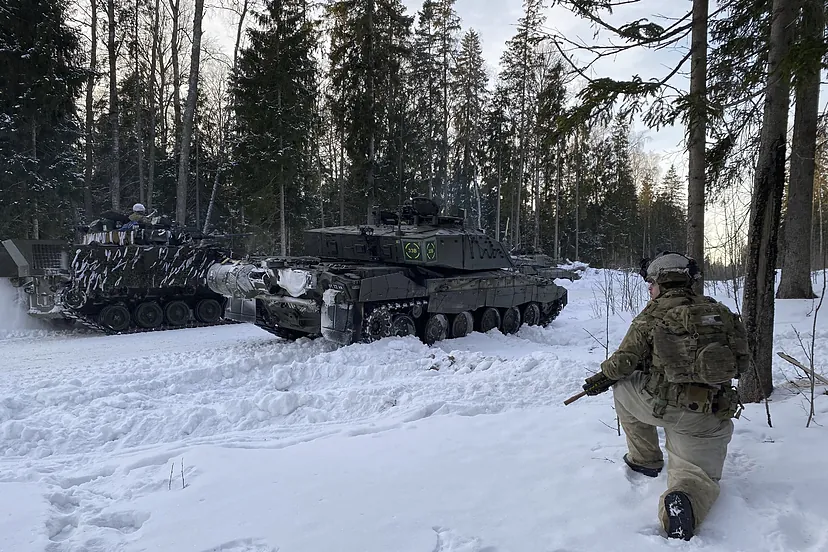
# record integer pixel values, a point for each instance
(120, 276)
(408, 272)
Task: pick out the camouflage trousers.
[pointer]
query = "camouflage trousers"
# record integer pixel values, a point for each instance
(696, 444)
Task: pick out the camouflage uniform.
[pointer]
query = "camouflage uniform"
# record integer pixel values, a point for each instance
(696, 418)
(138, 213)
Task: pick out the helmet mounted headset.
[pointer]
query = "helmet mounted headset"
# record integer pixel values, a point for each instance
(671, 268)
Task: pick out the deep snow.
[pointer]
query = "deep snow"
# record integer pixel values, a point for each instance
(394, 446)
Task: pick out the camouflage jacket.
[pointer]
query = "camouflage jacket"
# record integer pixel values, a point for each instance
(635, 351)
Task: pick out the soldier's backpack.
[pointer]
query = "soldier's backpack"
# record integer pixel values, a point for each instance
(700, 342)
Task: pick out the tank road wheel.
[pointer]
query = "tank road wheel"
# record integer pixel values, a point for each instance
(403, 325)
(436, 329)
(489, 319)
(148, 315)
(377, 325)
(532, 314)
(208, 311)
(462, 324)
(114, 318)
(511, 321)
(177, 313)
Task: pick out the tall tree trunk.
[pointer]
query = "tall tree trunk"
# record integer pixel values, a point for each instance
(558, 204)
(115, 160)
(499, 186)
(35, 217)
(372, 99)
(342, 178)
(189, 115)
(444, 124)
(175, 10)
(697, 132)
(282, 221)
(795, 282)
(152, 91)
(89, 170)
(766, 202)
(577, 191)
(239, 29)
(139, 136)
(222, 130)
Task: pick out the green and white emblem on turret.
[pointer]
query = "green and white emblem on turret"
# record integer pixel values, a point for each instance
(412, 251)
(431, 250)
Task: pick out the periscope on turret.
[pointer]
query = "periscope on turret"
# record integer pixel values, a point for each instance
(412, 271)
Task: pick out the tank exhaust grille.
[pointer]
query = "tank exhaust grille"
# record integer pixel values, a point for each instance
(46, 257)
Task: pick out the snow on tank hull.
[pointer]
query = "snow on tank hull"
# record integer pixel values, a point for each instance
(410, 273)
(119, 288)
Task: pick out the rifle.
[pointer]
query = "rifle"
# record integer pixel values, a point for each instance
(574, 398)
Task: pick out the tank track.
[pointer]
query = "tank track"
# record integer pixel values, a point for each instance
(92, 324)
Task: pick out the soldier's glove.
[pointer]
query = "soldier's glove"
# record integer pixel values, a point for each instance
(597, 384)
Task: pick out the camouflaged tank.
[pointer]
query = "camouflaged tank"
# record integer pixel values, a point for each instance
(529, 261)
(408, 272)
(121, 276)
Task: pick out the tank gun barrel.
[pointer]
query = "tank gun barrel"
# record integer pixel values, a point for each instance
(237, 280)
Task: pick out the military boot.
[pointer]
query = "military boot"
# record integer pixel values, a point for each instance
(680, 519)
(649, 472)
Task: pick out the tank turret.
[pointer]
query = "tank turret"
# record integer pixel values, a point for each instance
(415, 235)
(412, 271)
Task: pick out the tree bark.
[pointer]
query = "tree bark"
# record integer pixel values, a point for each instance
(189, 115)
(766, 202)
(152, 122)
(558, 204)
(175, 10)
(577, 191)
(697, 130)
(795, 282)
(89, 170)
(115, 160)
(222, 130)
(499, 185)
(139, 136)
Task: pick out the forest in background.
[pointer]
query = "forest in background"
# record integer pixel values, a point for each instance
(323, 110)
(328, 108)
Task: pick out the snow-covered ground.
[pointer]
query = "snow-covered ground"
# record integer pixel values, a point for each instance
(227, 439)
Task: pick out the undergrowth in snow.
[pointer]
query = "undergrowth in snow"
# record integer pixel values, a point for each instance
(228, 439)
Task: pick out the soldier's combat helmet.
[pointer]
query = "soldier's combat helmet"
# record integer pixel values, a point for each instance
(670, 269)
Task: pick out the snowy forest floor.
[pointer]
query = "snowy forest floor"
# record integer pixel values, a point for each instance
(227, 439)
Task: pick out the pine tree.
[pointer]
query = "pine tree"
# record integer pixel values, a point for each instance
(365, 60)
(620, 199)
(427, 97)
(498, 152)
(447, 28)
(519, 61)
(550, 153)
(274, 90)
(40, 81)
(469, 84)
